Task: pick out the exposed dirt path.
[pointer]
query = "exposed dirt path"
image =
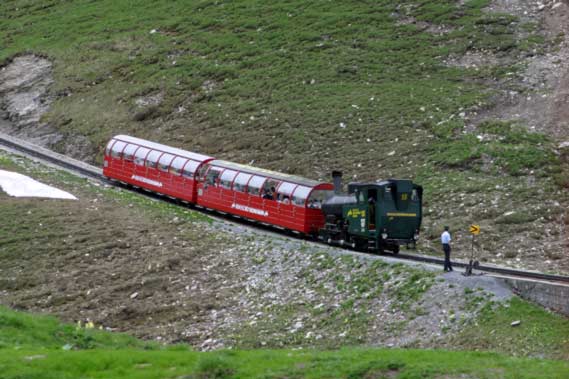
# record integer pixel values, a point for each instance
(541, 99)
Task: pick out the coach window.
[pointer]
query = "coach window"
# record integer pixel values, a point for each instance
(116, 151)
(212, 176)
(227, 178)
(271, 186)
(152, 158)
(109, 145)
(255, 185)
(140, 155)
(128, 153)
(164, 162)
(177, 165)
(319, 196)
(284, 192)
(190, 169)
(300, 195)
(240, 182)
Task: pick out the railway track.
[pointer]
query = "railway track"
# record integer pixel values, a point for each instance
(62, 161)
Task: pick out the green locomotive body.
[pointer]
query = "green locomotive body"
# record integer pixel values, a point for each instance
(374, 216)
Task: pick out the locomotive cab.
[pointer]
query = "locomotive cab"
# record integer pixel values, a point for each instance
(376, 216)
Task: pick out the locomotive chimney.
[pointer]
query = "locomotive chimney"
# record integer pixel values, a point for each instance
(337, 179)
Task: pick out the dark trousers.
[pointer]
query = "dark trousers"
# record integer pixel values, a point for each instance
(446, 249)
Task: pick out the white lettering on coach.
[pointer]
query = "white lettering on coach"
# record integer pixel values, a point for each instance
(146, 180)
(245, 208)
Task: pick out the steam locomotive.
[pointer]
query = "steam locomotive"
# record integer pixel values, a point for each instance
(373, 216)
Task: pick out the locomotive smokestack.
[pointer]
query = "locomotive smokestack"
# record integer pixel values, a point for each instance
(337, 179)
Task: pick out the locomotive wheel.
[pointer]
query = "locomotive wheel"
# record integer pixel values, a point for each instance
(361, 245)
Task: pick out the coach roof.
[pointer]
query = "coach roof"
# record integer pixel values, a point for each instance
(162, 148)
(266, 173)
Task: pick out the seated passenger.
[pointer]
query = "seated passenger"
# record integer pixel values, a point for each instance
(268, 195)
(286, 200)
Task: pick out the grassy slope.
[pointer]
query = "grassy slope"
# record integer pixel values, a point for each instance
(32, 347)
(283, 75)
(273, 83)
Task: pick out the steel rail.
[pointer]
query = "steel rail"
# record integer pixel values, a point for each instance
(97, 173)
(493, 269)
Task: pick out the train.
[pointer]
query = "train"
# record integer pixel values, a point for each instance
(378, 216)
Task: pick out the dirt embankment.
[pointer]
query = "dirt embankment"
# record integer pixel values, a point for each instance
(25, 96)
(539, 98)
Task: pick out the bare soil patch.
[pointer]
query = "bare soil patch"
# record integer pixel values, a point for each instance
(25, 97)
(539, 97)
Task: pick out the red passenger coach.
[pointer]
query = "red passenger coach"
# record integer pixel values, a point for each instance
(287, 201)
(150, 165)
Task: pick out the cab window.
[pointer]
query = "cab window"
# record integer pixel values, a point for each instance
(361, 197)
(414, 195)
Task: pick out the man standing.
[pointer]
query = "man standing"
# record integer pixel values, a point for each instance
(445, 239)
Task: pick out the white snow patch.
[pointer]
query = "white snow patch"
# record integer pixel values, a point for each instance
(19, 185)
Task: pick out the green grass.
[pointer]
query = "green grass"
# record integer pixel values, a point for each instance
(512, 148)
(345, 363)
(26, 331)
(32, 347)
(540, 334)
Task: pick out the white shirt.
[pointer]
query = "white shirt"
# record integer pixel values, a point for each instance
(445, 237)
